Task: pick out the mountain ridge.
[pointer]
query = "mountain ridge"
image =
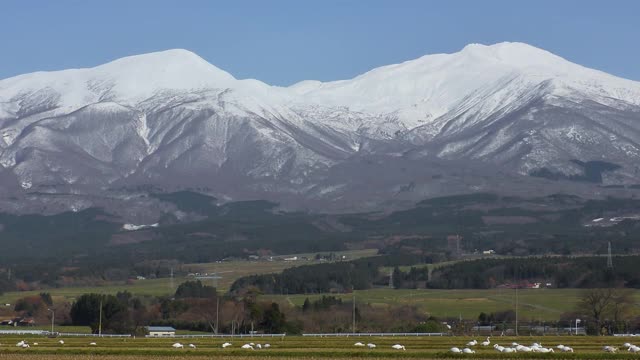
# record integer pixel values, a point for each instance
(171, 119)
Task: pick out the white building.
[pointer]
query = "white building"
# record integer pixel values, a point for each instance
(161, 331)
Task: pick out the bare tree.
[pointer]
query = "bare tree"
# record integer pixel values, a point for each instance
(602, 304)
(595, 303)
(622, 306)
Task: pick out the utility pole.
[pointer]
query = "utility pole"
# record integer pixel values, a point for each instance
(353, 328)
(100, 321)
(217, 311)
(517, 309)
(53, 318)
(609, 258)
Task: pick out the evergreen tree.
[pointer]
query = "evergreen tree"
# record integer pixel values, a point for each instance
(397, 278)
(195, 289)
(306, 306)
(46, 297)
(115, 315)
(273, 321)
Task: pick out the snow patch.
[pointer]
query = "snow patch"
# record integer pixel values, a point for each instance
(133, 227)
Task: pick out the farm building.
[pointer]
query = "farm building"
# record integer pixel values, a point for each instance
(161, 331)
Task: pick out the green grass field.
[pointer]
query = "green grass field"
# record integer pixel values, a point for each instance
(302, 348)
(230, 271)
(139, 287)
(533, 304)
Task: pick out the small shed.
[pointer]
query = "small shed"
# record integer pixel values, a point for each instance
(161, 331)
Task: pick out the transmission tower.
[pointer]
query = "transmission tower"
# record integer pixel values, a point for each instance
(609, 258)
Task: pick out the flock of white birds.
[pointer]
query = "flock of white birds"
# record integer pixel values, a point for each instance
(630, 347)
(535, 347)
(373, 346)
(514, 347)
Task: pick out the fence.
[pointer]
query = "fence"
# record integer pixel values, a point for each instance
(49, 333)
(374, 334)
(240, 336)
(94, 335)
(24, 332)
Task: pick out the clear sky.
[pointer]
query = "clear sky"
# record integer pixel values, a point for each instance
(285, 41)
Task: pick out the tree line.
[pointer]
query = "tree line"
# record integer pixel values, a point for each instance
(361, 274)
(344, 276)
(561, 272)
(194, 306)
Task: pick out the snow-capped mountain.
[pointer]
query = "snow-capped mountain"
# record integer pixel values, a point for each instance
(399, 132)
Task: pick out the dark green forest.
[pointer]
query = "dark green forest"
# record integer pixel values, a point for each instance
(88, 244)
(321, 278)
(559, 272)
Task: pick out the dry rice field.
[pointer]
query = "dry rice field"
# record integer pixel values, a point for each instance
(296, 347)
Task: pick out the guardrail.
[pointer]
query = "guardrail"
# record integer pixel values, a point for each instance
(374, 334)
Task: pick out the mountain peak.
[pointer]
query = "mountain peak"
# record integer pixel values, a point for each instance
(131, 78)
(164, 57)
(513, 53)
(171, 69)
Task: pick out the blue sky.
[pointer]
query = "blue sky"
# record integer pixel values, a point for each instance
(282, 42)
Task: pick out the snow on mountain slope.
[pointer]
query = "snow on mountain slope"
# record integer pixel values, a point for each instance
(424, 89)
(128, 79)
(173, 120)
